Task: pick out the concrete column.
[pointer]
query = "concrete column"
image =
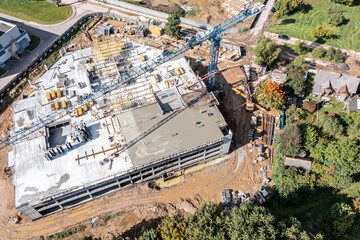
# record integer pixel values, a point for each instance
(58, 204)
(87, 190)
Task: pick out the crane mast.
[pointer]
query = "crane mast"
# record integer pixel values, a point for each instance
(213, 34)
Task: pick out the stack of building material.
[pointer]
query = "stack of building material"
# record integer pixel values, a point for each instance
(155, 30)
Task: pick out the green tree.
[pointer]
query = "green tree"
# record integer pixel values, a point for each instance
(284, 7)
(172, 27)
(334, 55)
(250, 222)
(338, 57)
(320, 32)
(290, 140)
(318, 52)
(309, 136)
(291, 229)
(300, 62)
(343, 217)
(353, 131)
(295, 77)
(291, 183)
(345, 2)
(266, 51)
(330, 53)
(335, 16)
(173, 228)
(299, 47)
(344, 156)
(206, 223)
(293, 114)
(330, 127)
(271, 94)
(319, 150)
(151, 234)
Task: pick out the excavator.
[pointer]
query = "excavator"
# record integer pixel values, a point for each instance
(249, 104)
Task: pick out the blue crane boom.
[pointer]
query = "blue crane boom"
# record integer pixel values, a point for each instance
(213, 34)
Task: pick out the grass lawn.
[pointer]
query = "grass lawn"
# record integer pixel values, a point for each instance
(300, 24)
(35, 41)
(2, 71)
(36, 11)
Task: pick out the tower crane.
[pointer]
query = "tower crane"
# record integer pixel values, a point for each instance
(213, 35)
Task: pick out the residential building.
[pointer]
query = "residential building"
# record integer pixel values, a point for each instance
(12, 41)
(343, 86)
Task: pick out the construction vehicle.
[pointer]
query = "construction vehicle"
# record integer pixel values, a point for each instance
(213, 34)
(249, 104)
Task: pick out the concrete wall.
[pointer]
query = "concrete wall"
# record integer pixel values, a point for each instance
(195, 156)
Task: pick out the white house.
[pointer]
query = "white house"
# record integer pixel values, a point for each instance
(12, 40)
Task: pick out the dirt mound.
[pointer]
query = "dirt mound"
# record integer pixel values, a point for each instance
(186, 205)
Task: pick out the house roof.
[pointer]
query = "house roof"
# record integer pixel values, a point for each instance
(297, 162)
(325, 79)
(322, 80)
(352, 83)
(278, 73)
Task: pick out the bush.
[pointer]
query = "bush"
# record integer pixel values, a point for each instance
(310, 136)
(320, 32)
(343, 217)
(293, 114)
(290, 140)
(345, 2)
(309, 106)
(318, 52)
(335, 17)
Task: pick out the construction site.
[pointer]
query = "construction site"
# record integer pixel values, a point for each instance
(80, 136)
(134, 134)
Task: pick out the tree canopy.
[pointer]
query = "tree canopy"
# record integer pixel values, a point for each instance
(271, 94)
(321, 31)
(284, 7)
(295, 77)
(266, 51)
(172, 26)
(290, 140)
(335, 16)
(246, 222)
(343, 217)
(251, 223)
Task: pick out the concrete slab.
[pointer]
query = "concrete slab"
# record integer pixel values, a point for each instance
(190, 128)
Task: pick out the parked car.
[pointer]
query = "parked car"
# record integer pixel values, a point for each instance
(285, 37)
